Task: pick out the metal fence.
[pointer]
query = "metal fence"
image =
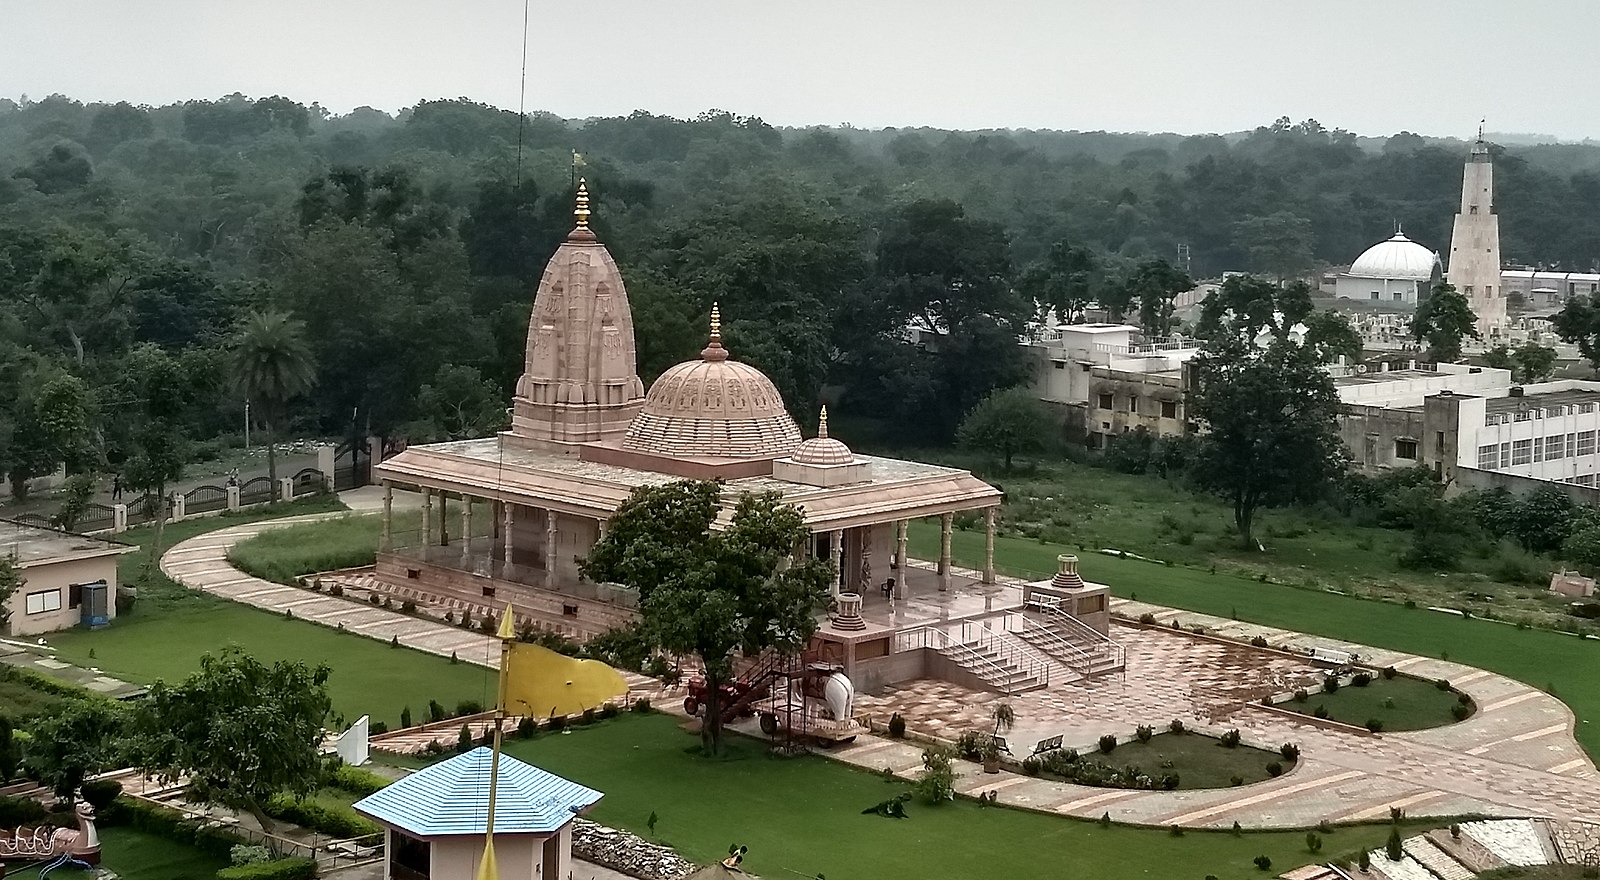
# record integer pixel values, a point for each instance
(204, 499)
(96, 517)
(309, 481)
(143, 509)
(256, 490)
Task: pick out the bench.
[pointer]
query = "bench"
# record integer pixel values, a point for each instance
(1000, 744)
(1332, 657)
(1049, 744)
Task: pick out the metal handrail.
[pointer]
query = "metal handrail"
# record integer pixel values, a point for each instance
(1010, 648)
(1118, 653)
(943, 643)
(1024, 627)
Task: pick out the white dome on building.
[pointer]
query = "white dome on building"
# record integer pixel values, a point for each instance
(1397, 258)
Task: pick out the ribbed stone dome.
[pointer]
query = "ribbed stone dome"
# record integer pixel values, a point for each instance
(1398, 258)
(822, 449)
(713, 408)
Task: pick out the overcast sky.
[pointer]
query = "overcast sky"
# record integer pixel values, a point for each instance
(1372, 66)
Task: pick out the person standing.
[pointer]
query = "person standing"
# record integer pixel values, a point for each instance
(116, 487)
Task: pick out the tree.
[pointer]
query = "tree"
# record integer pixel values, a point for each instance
(1578, 323)
(11, 580)
(1542, 519)
(1582, 548)
(1278, 244)
(1066, 280)
(1130, 452)
(158, 444)
(1331, 335)
(1006, 423)
(1253, 311)
(80, 739)
(458, 404)
(1155, 284)
(1270, 427)
(55, 428)
(1444, 320)
(709, 594)
(272, 365)
(239, 730)
(75, 499)
(1533, 362)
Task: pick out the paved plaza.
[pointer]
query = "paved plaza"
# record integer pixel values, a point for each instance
(1516, 756)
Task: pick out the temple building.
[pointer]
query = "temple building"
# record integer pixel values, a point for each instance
(1475, 244)
(1395, 272)
(508, 518)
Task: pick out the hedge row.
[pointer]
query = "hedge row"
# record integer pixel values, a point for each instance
(312, 815)
(281, 869)
(171, 824)
(355, 780)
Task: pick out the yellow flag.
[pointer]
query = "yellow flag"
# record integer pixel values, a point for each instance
(487, 869)
(541, 683)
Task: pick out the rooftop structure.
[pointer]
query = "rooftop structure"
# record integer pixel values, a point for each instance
(68, 579)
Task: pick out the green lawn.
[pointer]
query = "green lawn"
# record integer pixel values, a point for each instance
(136, 855)
(1558, 662)
(281, 555)
(1401, 703)
(1200, 761)
(801, 817)
(171, 627)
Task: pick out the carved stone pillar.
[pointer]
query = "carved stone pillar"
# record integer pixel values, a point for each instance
(550, 549)
(427, 519)
(444, 519)
(505, 534)
(988, 544)
(388, 515)
(946, 523)
(901, 591)
(836, 550)
(466, 525)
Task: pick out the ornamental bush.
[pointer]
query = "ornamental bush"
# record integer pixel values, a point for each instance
(897, 726)
(1361, 679)
(1230, 739)
(1108, 743)
(1144, 732)
(281, 869)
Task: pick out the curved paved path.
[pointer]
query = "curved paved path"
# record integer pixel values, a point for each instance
(1515, 757)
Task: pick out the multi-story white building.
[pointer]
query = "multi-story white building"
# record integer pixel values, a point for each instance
(1118, 382)
(1543, 289)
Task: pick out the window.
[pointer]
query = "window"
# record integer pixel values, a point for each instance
(1374, 294)
(1083, 368)
(1060, 365)
(1505, 455)
(1586, 443)
(1398, 296)
(1169, 409)
(1472, 209)
(1538, 449)
(1521, 451)
(1406, 449)
(1467, 291)
(1585, 407)
(1488, 457)
(1524, 415)
(44, 601)
(1104, 401)
(1133, 404)
(1555, 446)
(1585, 480)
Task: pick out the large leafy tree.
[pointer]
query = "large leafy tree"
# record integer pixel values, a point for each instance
(1444, 320)
(157, 440)
(712, 594)
(1067, 279)
(80, 739)
(1277, 244)
(272, 365)
(1529, 362)
(1269, 418)
(1331, 336)
(1006, 423)
(457, 405)
(1155, 285)
(54, 427)
(1578, 323)
(239, 730)
(1253, 311)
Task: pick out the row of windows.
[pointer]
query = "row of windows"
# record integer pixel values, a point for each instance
(1584, 480)
(1551, 448)
(1398, 295)
(44, 601)
(1528, 415)
(1168, 408)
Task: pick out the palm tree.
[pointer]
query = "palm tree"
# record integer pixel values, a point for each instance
(272, 365)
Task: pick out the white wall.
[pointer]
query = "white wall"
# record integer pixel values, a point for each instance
(58, 577)
(1389, 291)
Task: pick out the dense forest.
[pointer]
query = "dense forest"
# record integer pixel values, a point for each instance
(396, 255)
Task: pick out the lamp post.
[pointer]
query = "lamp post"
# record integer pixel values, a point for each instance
(247, 426)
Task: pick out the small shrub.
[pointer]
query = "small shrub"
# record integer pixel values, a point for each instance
(464, 739)
(1259, 642)
(897, 726)
(1325, 827)
(1330, 684)
(1147, 618)
(1230, 740)
(1274, 768)
(1320, 712)
(1105, 820)
(377, 727)
(641, 705)
(1442, 684)
(101, 792)
(277, 869)
(355, 780)
(1237, 831)
(1301, 695)
(435, 711)
(1455, 831)
(19, 811)
(937, 782)
(1393, 848)
(1463, 699)
(1175, 831)
(1031, 766)
(1460, 712)
(1396, 815)
(609, 710)
(556, 722)
(434, 747)
(374, 598)
(1236, 781)
(1375, 724)
(336, 590)
(588, 717)
(408, 607)
(1361, 679)
(1263, 863)
(469, 707)
(394, 640)
(1108, 743)
(1144, 732)
(1364, 862)
(1175, 726)
(1289, 751)
(1389, 672)
(1313, 841)
(248, 854)
(405, 717)
(527, 727)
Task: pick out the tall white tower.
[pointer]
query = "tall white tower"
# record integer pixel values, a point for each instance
(1475, 244)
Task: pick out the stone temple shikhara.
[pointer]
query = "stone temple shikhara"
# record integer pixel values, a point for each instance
(585, 433)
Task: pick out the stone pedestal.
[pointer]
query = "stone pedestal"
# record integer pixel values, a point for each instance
(177, 507)
(119, 518)
(233, 498)
(286, 488)
(326, 463)
(849, 616)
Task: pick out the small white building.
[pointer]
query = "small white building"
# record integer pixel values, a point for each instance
(68, 579)
(1396, 272)
(1119, 379)
(434, 820)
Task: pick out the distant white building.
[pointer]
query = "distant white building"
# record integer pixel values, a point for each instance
(1395, 272)
(1117, 378)
(1475, 244)
(1544, 289)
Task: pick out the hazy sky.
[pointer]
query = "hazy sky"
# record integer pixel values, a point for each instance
(1372, 66)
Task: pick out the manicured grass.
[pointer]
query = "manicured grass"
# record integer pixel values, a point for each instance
(801, 817)
(281, 555)
(20, 701)
(1401, 703)
(136, 855)
(1200, 761)
(172, 626)
(1560, 663)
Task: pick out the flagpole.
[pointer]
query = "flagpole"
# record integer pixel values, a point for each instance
(487, 869)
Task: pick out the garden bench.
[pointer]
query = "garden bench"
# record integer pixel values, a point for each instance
(1000, 744)
(1332, 657)
(1048, 744)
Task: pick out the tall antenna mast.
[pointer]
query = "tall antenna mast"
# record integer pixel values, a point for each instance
(522, 96)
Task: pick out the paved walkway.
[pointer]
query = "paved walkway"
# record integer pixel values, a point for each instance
(1516, 756)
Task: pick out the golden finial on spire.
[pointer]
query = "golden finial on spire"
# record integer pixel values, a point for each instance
(822, 423)
(582, 210)
(714, 350)
(716, 324)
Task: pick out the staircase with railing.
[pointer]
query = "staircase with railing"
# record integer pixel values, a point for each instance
(995, 657)
(1068, 640)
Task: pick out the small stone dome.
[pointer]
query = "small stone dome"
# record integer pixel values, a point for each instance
(713, 408)
(822, 449)
(1398, 258)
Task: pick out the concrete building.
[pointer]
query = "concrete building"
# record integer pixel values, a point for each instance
(434, 820)
(1475, 244)
(1118, 383)
(1548, 290)
(68, 580)
(1396, 272)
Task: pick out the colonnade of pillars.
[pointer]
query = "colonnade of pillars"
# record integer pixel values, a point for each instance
(836, 544)
(500, 526)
